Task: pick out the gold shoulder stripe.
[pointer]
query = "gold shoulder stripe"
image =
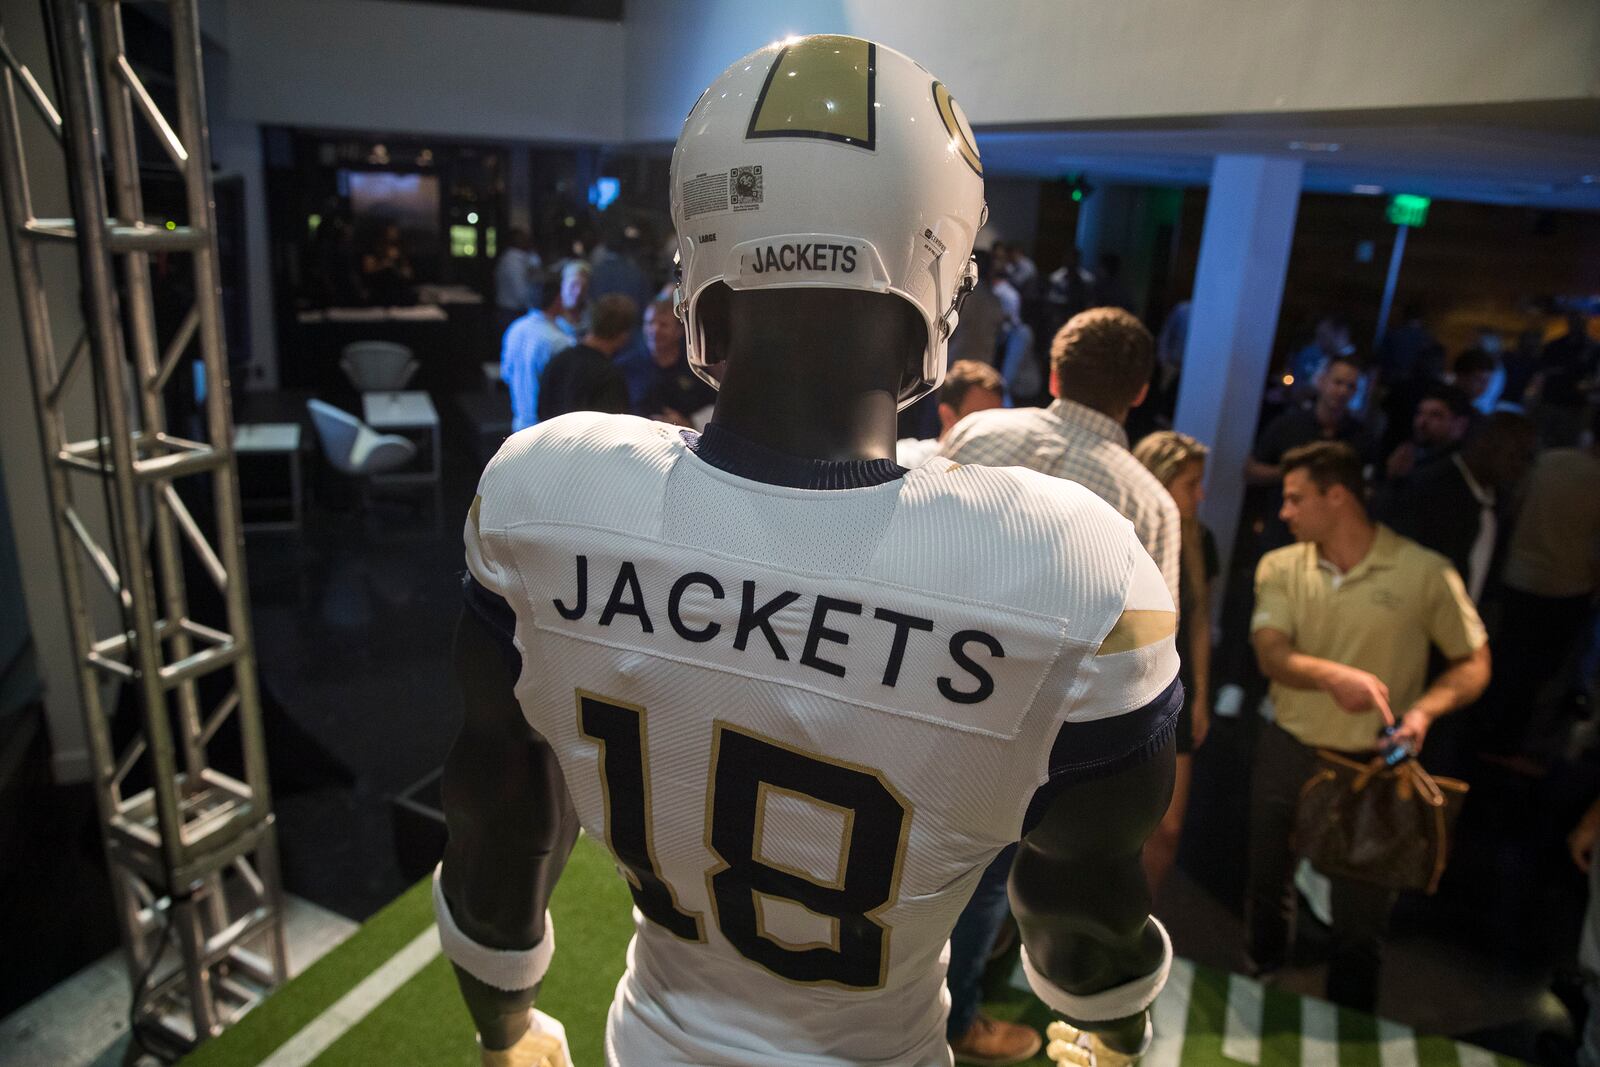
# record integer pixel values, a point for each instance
(472, 513)
(1137, 629)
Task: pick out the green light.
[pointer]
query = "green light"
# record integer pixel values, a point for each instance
(171, 225)
(1405, 209)
(1077, 195)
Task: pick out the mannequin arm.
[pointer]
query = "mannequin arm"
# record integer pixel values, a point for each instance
(511, 824)
(1079, 892)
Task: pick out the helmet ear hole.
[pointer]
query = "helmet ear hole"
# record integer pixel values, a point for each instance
(711, 315)
(914, 381)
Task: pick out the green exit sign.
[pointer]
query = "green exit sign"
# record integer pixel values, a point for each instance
(1408, 210)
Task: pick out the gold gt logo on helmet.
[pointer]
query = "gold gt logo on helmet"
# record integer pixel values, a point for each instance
(955, 120)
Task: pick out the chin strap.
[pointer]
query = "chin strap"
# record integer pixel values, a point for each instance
(968, 282)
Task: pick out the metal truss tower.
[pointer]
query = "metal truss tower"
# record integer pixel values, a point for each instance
(192, 850)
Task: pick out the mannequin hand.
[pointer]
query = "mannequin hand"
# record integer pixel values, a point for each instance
(1070, 1047)
(544, 1045)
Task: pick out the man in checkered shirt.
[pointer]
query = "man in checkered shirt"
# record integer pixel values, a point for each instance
(1101, 364)
(1100, 367)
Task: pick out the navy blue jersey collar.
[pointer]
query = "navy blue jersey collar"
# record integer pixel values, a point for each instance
(729, 452)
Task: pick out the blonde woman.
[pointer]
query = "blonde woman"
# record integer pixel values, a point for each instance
(1179, 462)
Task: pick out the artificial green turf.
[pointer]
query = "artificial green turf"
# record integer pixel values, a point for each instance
(424, 1022)
(1208, 1017)
(1280, 1028)
(289, 1009)
(1358, 1039)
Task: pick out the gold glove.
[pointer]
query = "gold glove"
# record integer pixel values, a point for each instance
(1070, 1047)
(544, 1045)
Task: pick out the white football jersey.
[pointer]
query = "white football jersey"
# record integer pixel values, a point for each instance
(805, 720)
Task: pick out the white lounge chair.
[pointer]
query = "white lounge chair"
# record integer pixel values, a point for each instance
(378, 366)
(355, 449)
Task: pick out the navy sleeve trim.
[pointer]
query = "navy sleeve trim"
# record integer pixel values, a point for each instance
(493, 610)
(1084, 751)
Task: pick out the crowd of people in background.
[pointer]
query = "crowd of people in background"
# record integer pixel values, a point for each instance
(1412, 519)
(594, 333)
(1410, 516)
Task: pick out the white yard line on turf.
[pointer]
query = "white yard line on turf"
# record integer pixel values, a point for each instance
(1170, 1016)
(374, 989)
(1319, 1033)
(1397, 1045)
(1241, 1037)
(1473, 1056)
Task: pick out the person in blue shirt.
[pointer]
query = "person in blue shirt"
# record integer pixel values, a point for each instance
(525, 351)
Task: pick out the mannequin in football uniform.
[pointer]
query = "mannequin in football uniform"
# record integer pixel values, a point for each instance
(802, 694)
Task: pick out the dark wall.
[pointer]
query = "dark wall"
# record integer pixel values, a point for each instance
(1472, 266)
(19, 683)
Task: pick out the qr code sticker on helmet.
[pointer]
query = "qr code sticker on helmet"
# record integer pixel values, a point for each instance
(744, 191)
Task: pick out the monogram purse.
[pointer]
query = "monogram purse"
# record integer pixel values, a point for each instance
(1386, 826)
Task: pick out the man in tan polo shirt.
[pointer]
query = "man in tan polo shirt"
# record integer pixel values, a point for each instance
(1343, 623)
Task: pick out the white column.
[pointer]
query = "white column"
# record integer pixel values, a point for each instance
(1106, 221)
(1244, 255)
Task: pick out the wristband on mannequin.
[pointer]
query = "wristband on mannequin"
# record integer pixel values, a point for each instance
(507, 969)
(1119, 1002)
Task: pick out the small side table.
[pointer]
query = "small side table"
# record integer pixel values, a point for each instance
(412, 414)
(271, 439)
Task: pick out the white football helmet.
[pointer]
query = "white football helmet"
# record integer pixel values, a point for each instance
(828, 162)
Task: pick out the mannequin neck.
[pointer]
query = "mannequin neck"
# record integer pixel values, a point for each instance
(815, 373)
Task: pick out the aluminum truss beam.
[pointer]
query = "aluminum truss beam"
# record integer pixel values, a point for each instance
(193, 853)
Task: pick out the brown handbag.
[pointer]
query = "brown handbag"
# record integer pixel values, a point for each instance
(1370, 823)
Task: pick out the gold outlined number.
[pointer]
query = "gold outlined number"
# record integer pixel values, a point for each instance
(624, 783)
(745, 769)
(857, 953)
